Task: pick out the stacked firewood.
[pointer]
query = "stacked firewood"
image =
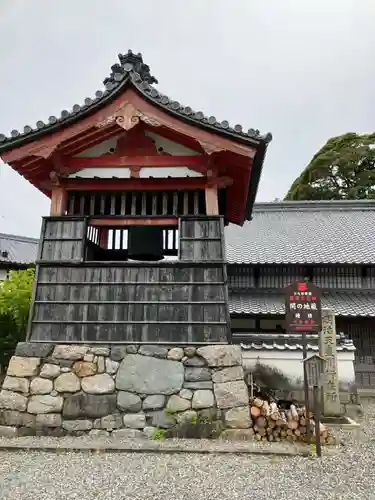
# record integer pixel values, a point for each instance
(272, 423)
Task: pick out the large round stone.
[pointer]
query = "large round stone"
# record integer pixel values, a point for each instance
(98, 384)
(41, 386)
(89, 405)
(148, 375)
(126, 401)
(84, 368)
(176, 404)
(67, 382)
(203, 399)
(45, 404)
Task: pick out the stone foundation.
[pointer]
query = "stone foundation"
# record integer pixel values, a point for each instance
(123, 390)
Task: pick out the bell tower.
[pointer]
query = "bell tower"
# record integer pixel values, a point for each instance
(141, 188)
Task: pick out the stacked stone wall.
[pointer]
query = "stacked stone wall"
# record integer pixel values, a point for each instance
(120, 390)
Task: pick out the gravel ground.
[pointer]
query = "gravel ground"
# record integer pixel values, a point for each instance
(38, 476)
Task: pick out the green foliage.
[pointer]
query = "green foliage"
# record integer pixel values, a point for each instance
(15, 296)
(343, 169)
(270, 377)
(10, 335)
(199, 426)
(158, 434)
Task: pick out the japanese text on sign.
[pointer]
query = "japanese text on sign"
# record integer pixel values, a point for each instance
(302, 307)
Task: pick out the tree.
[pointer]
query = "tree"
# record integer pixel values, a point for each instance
(15, 299)
(343, 169)
(15, 296)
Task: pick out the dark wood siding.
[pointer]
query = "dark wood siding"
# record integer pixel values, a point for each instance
(62, 240)
(168, 302)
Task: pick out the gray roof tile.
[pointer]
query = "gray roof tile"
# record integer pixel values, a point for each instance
(305, 232)
(342, 303)
(17, 249)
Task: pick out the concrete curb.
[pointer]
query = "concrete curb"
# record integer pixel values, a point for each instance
(57, 445)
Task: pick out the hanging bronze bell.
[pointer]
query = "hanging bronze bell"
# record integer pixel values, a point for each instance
(145, 243)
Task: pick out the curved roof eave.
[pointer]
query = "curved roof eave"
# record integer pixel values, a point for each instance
(123, 76)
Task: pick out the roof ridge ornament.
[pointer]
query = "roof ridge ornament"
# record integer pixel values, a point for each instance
(130, 63)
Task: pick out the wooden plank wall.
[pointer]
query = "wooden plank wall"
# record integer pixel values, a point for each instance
(182, 302)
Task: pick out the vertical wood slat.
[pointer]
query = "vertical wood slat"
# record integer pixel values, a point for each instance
(92, 204)
(165, 203)
(113, 204)
(82, 200)
(154, 209)
(102, 204)
(196, 202)
(123, 203)
(143, 204)
(133, 204)
(175, 204)
(71, 204)
(186, 203)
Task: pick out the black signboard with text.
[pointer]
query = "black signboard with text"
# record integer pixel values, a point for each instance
(303, 311)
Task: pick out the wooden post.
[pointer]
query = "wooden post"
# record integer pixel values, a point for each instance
(103, 237)
(318, 443)
(212, 204)
(328, 351)
(59, 200)
(306, 386)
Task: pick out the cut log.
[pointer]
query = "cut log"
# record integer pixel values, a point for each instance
(256, 428)
(302, 421)
(258, 437)
(292, 424)
(271, 423)
(269, 431)
(294, 412)
(262, 431)
(270, 437)
(261, 422)
(274, 415)
(276, 432)
(297, 432)
(302, 429)
(289, 432)
(258, 402)
(281, 422)
(265, 410)
(277, 439)
(283, 433)
(255, 411)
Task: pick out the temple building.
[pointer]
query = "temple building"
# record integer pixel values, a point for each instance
(141, 189)
(153, 236)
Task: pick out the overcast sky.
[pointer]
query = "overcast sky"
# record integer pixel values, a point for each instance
(301, 69)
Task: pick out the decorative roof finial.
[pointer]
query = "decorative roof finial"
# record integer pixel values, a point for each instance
(130, 63)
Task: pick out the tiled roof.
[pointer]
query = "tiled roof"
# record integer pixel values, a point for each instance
(17, 249)
(305, 232)
(131, 71)
(288, 341)
(342, 303)
(278, 345)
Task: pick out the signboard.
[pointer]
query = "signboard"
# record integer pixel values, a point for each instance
(303, 311)
(315, 370)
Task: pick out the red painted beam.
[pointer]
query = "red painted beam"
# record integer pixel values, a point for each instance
(134, 161)
(146, 221)
(133, 184)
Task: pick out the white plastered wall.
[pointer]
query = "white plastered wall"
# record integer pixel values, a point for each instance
(290, 363)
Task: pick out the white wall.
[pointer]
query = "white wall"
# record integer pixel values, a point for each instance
(290, 363)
